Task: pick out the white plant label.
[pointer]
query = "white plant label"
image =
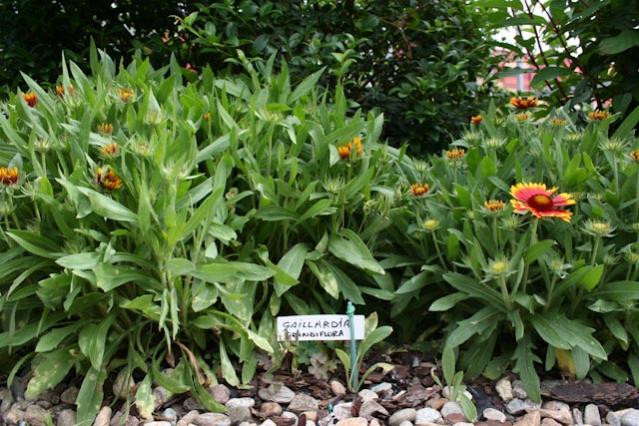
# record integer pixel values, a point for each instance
(318, 327)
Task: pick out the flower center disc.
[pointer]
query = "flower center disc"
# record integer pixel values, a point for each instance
(540, 202)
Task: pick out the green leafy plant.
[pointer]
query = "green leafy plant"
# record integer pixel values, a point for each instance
(453, 379)
(373, 335)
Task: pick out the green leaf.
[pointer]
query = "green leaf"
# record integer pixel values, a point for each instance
(347, 246)
(417, 282)
(545, 327)
(627, 39)
(92, 341)
(524, 365)
(371, 339)
(325, 277)
(448, 364)
(80, 261)
(549, 73)
(109, 277)
(36, 244)
(626, 128)
(537, 250)
(291, 263)
(618, 291)
(305, 86)
(90, 396)
(232, 272)
(144, 401)
(476, 324)
(107, 207)
(53, 338)
(592, 277)
(228, 372)
(48, 370)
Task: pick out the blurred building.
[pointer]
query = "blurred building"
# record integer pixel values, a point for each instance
(516, 82)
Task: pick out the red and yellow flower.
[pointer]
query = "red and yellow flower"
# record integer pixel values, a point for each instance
(419, 189)
(536, 199)
(598, 115)
(108, 179)
(523, 102)
(476, 119)
(30, 98)
(634, 155)
(345, 150)
(9, 176)
(59, 90)
(455, 154)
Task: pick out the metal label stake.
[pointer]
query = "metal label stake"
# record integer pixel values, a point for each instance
(350, 311)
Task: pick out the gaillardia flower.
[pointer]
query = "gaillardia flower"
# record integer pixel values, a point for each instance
(125, 94)
(110, 150)
(431, 224)
(59, 90)
(345, 150)
(105, 128)
(598, 115)
(9, 176)
(206, 116)
(107, 179)
(524, 103)
(476, 119)
(558, 122)
(494, 206)
(536, 199)
(524, 116)
(634, 155)
(419, 189)
(455, 154)
(30, 98)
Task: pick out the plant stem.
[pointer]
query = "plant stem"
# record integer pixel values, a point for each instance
(439, 253)
(504, 291)
(595, 249)
(533, 241)
(637, 198)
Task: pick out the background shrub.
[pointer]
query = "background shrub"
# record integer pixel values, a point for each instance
(584, 51)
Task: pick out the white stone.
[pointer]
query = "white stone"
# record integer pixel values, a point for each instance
(505, 389)
(518, 406)
(276, 392)
(591, 415)
(631, 418)
(493, 414)
(427, 415)
(367, 394)
(451, 408)
(518, 390)
(406, 414)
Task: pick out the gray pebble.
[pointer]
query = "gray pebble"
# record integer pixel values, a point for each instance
(406, 414)
(631, 418)
(591, 415)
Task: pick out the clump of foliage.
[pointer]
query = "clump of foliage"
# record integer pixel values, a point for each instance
(145, 219)
(581, 50)
(532, 224)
